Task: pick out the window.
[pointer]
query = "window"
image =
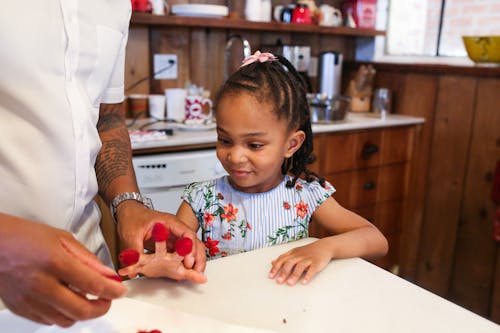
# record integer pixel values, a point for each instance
(435, 27)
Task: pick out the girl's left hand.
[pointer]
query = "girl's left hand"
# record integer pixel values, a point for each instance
(306, 260)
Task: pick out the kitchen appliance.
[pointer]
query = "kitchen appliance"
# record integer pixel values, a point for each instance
(327, 110)
(298, 55)
(162, 177)
(330, 73)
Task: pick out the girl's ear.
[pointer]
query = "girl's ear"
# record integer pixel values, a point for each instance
(294, 142)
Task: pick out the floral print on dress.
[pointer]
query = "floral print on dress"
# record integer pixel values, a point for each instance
(280, 215)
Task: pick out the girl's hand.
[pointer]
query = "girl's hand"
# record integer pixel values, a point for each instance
(304, 261)
(163, 265)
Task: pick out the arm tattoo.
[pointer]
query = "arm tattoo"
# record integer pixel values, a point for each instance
(113, 160)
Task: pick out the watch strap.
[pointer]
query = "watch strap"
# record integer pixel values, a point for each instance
(129, 196)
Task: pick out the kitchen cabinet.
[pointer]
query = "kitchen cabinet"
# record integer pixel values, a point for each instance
(370, 170)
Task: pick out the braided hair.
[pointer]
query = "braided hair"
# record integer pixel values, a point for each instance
(279, 83)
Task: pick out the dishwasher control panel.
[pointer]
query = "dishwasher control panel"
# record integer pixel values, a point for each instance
(175, 169)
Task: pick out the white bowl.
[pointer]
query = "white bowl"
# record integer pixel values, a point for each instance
(200, 10)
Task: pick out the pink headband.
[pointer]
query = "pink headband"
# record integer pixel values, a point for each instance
(258, 56)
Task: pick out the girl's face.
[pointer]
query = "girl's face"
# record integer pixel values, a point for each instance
(252, 143)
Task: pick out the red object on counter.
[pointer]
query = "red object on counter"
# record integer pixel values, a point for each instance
(141, 6)
(364, 12)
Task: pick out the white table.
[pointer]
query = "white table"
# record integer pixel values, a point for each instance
(348, 296)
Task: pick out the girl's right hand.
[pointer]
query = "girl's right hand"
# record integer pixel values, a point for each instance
(304, 261)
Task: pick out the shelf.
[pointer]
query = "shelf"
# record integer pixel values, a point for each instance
(229, 23)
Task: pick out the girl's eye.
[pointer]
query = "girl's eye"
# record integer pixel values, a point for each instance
(256, 145)
(223, 141)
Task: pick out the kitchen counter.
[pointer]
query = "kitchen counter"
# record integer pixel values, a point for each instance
(349, 295)
(207, 138)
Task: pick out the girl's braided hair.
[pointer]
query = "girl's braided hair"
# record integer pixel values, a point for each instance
(277, 82)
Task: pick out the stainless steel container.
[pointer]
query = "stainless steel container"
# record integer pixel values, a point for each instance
(326, 110)
(330, 73)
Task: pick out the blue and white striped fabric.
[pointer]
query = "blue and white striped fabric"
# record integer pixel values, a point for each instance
(234, 221)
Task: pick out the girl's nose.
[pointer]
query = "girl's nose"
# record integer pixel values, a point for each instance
(236, 155)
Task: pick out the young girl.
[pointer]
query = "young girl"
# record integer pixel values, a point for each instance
(264, 142)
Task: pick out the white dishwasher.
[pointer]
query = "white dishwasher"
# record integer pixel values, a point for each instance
(162, 177)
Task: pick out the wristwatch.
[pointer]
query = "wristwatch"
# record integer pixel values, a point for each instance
(129, 196)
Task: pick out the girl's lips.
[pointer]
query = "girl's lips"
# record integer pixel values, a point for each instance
(240, 173)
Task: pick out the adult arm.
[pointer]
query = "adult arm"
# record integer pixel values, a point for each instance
(115, 175)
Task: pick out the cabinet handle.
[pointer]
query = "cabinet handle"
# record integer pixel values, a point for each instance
(369, 185)
(368, 150)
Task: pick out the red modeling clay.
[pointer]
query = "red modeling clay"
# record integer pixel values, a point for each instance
(160, 233)
(152, 331)
(128, 257)
(183, 246)
(114, 277)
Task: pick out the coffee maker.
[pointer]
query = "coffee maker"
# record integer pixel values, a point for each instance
(298, 55)
(330, 73)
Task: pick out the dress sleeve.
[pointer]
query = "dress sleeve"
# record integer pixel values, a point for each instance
(317, 194)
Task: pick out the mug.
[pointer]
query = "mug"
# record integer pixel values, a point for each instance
(330, 16)
(175, 103)
(141, 6)
(197, 108)
(157, 106)
(158, 7)
(301, 14)
(277, 12)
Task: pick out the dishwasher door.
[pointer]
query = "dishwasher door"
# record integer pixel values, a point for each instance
(162, 177)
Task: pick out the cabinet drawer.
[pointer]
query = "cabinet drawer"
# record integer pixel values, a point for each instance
(369, 148)
(366, 187)
(386, 216)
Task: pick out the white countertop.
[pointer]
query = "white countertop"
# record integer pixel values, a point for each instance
(353, 121)
(350, 295)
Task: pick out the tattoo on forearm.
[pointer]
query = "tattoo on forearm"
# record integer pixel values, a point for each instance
(113, 160)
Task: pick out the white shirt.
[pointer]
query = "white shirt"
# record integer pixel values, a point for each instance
(60, 59)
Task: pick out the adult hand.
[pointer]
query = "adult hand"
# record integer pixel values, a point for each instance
(135, 224)
(45, 274)
(304, 261)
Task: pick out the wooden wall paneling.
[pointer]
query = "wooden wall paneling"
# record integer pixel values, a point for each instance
(475, 250)
(215, 60)
(448, 155)
(137, 61)
(417, 98)
(169, 40)
(199, 62)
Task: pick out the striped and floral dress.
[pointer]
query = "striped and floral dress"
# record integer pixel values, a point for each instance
(232, 221)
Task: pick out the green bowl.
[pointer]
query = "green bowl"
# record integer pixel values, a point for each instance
(483, 49)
